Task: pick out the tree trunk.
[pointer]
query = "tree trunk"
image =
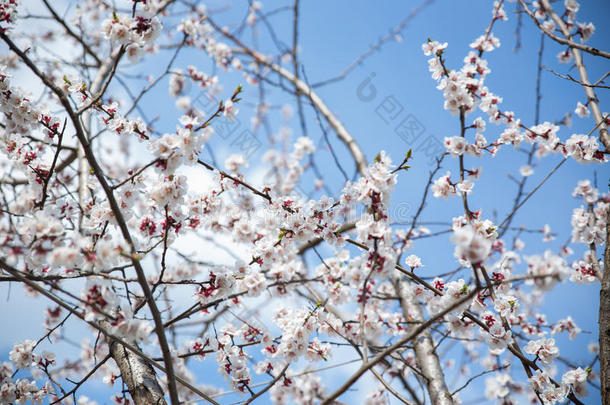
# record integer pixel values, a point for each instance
(138, 375)
(426, 357)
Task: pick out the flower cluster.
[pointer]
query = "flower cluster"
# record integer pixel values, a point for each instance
(582, 110)
(373, 228)
(577, 381)
(443, 187)
(568, 325)
(546, 270)
(221, 283)
(231, 359)
(584, 149)
(498, 387)
(543, 349)
(574, 381)
(453, 292)
(300, 390)
(583, 30)
(24, 390)
(103, 303)
(465, 89)
(377, 397)
(110, 117)
(473, 243)
(181, 147)
(22, 118)
(8, 11)
(297, 327)
(458, 146)
(498, 338)
(201, 78)
(141, 29)
(20, 391)
(289, 167)
(201, 34)
(549, 392)
(589, 224)
(133, 33)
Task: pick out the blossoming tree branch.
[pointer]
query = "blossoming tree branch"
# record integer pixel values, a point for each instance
(248, 289)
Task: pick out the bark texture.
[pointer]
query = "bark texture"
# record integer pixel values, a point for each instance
(426, 357)
(138, 375)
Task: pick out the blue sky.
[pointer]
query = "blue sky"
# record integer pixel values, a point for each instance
(334, 33)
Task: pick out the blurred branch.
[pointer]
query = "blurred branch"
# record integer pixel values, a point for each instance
(564, 41)
(392, 34)
(569, 77)
(303, 88)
